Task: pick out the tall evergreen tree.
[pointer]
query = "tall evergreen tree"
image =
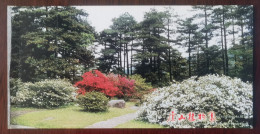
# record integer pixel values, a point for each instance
(207, 29)
(188, 30)
(125, 25)
(154, 45)
(52, 42)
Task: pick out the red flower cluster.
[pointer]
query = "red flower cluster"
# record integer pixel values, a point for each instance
(112, 85)
(126, 86)
(96, 81)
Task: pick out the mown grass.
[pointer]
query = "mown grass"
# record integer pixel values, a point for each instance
(67, 117)
(139, 124)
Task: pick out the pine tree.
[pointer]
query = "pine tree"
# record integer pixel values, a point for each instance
(52, 42)
(125, 25)
(188, 31)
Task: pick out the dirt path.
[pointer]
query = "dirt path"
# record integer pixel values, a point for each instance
(113, 122)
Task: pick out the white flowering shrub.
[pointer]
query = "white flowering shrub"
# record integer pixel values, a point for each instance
(230, 99)
(52, 93)
(44, 94)
(20, 94)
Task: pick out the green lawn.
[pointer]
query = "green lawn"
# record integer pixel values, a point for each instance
(67, 117)
(139, 124)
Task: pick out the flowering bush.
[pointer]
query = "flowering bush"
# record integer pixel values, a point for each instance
(44, 94)
(111, 85)
(20, 94)
(125, 86)
(51, 93)
(96, 81)
(230, 99)
(93, 101)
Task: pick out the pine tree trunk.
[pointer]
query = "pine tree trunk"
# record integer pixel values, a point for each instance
(189, 57)
(143, 53)
(206, 39)
(169, 51)
(132, 56)
(222, 50)
(198, 61)
(242, 35)
(127, 64)
(120, 49)
(158, 66)
(124, 56)
(225, 39)
(233, 29)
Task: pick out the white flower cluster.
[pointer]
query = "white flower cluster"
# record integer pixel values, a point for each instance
(44, 94)
(230, 99)
(23, 95)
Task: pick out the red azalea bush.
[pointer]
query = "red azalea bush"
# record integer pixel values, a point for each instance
(111, 85)
(126, 86)
(96, 81)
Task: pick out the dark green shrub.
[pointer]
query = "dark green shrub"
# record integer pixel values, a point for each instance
(93, 101)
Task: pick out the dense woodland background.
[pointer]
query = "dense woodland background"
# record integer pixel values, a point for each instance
(57, 42)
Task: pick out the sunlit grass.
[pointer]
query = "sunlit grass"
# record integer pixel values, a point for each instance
(68, 117)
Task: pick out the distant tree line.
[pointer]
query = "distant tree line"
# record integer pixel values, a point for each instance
(147, 47)
(52, 42)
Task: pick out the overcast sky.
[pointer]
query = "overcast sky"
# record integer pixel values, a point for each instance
(101, 16)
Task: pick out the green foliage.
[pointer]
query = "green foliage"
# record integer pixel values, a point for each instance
(140, 83)
(50, 42)
(213, 54)
(15, 85)
(241, 65)
(141, 87)
(116, 42)
(93, 101)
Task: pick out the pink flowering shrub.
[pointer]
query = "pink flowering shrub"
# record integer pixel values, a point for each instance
(126, 86)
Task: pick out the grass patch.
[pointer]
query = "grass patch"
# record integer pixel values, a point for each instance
(139, 124)
(17, 111)
(68, 117)
(23, 109)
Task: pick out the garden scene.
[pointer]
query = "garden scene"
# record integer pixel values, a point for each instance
(131, 67)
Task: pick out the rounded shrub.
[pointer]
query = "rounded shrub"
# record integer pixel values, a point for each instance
(51, 93)
(230, 100)
(93, 101)
(20, 93)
